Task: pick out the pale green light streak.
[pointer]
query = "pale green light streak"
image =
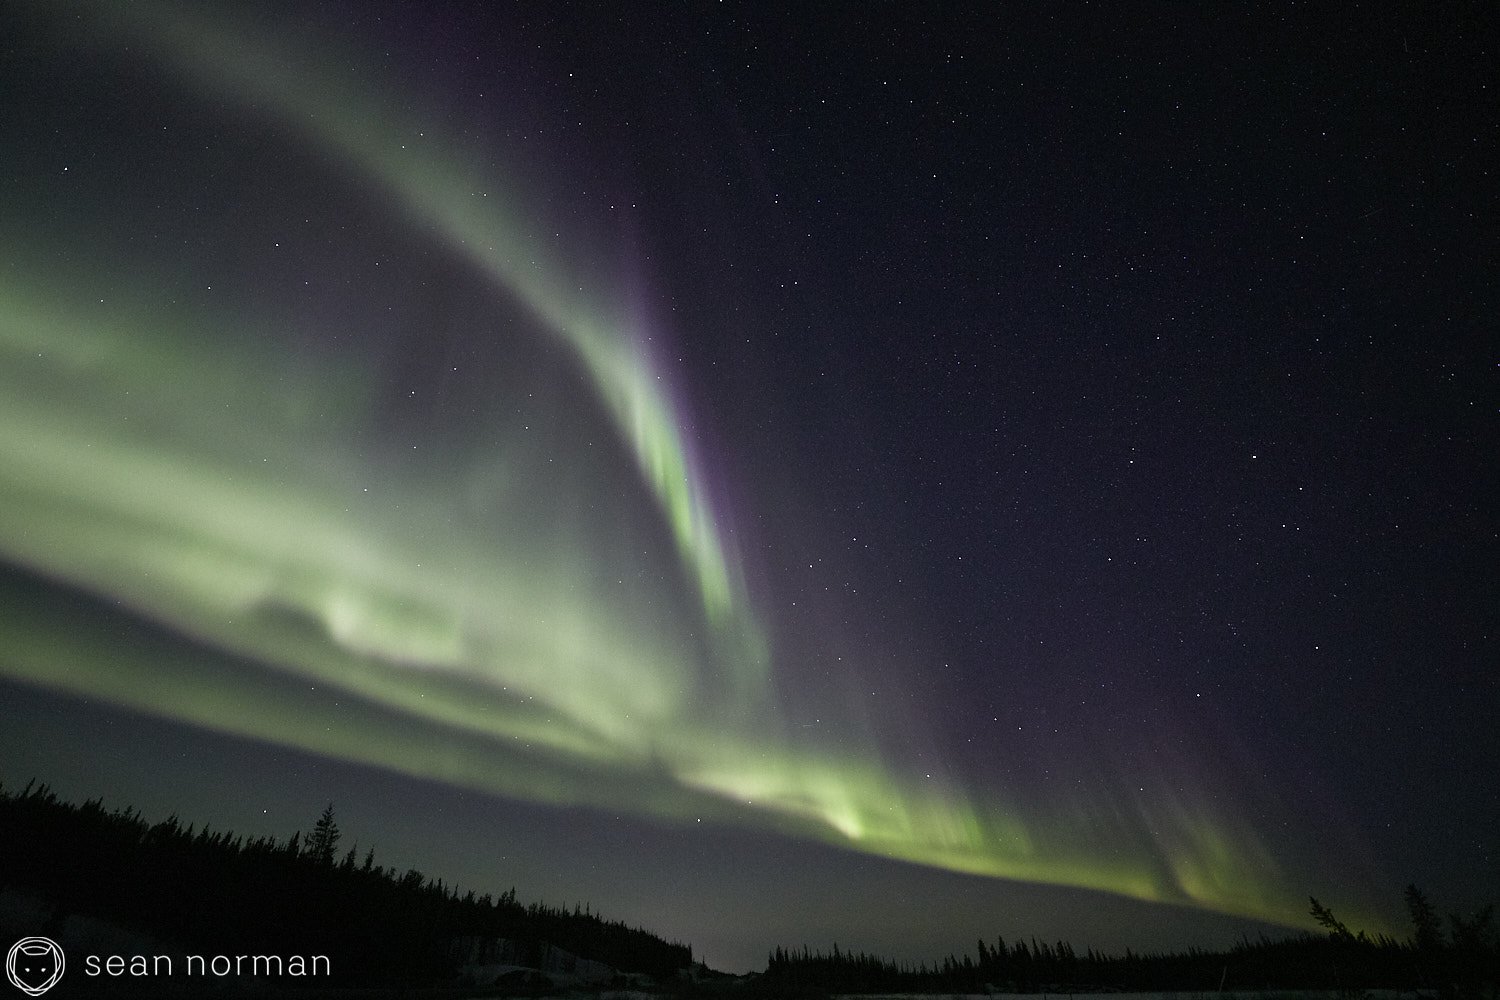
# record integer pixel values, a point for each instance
(502, 242)
(283, 573)
(129, 466)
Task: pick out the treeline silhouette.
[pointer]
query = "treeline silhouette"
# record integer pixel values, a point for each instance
(213, 892)
(1463, 964)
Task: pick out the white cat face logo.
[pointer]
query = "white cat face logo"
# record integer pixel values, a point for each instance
(34, 965)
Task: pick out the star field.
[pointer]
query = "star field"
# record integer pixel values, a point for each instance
(1025, 472)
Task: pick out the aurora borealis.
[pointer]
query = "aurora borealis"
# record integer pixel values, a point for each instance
(368, 394)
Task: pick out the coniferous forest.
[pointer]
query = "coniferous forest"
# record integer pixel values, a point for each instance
(215, 892)
(1463, 963)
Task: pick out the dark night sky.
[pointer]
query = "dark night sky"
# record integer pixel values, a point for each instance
(883, 474)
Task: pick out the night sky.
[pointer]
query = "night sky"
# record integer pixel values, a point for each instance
(884, 475)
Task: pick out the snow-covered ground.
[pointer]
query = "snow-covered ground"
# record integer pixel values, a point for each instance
(1184, 995)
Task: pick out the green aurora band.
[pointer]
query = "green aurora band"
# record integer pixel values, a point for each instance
(466, 620)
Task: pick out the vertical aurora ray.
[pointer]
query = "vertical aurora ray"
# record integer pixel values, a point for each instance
(157, 456)
(500, 241)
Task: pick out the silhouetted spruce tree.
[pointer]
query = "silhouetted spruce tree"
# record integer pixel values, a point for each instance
(1427, 928)
(325, 838)
(1325, 918)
